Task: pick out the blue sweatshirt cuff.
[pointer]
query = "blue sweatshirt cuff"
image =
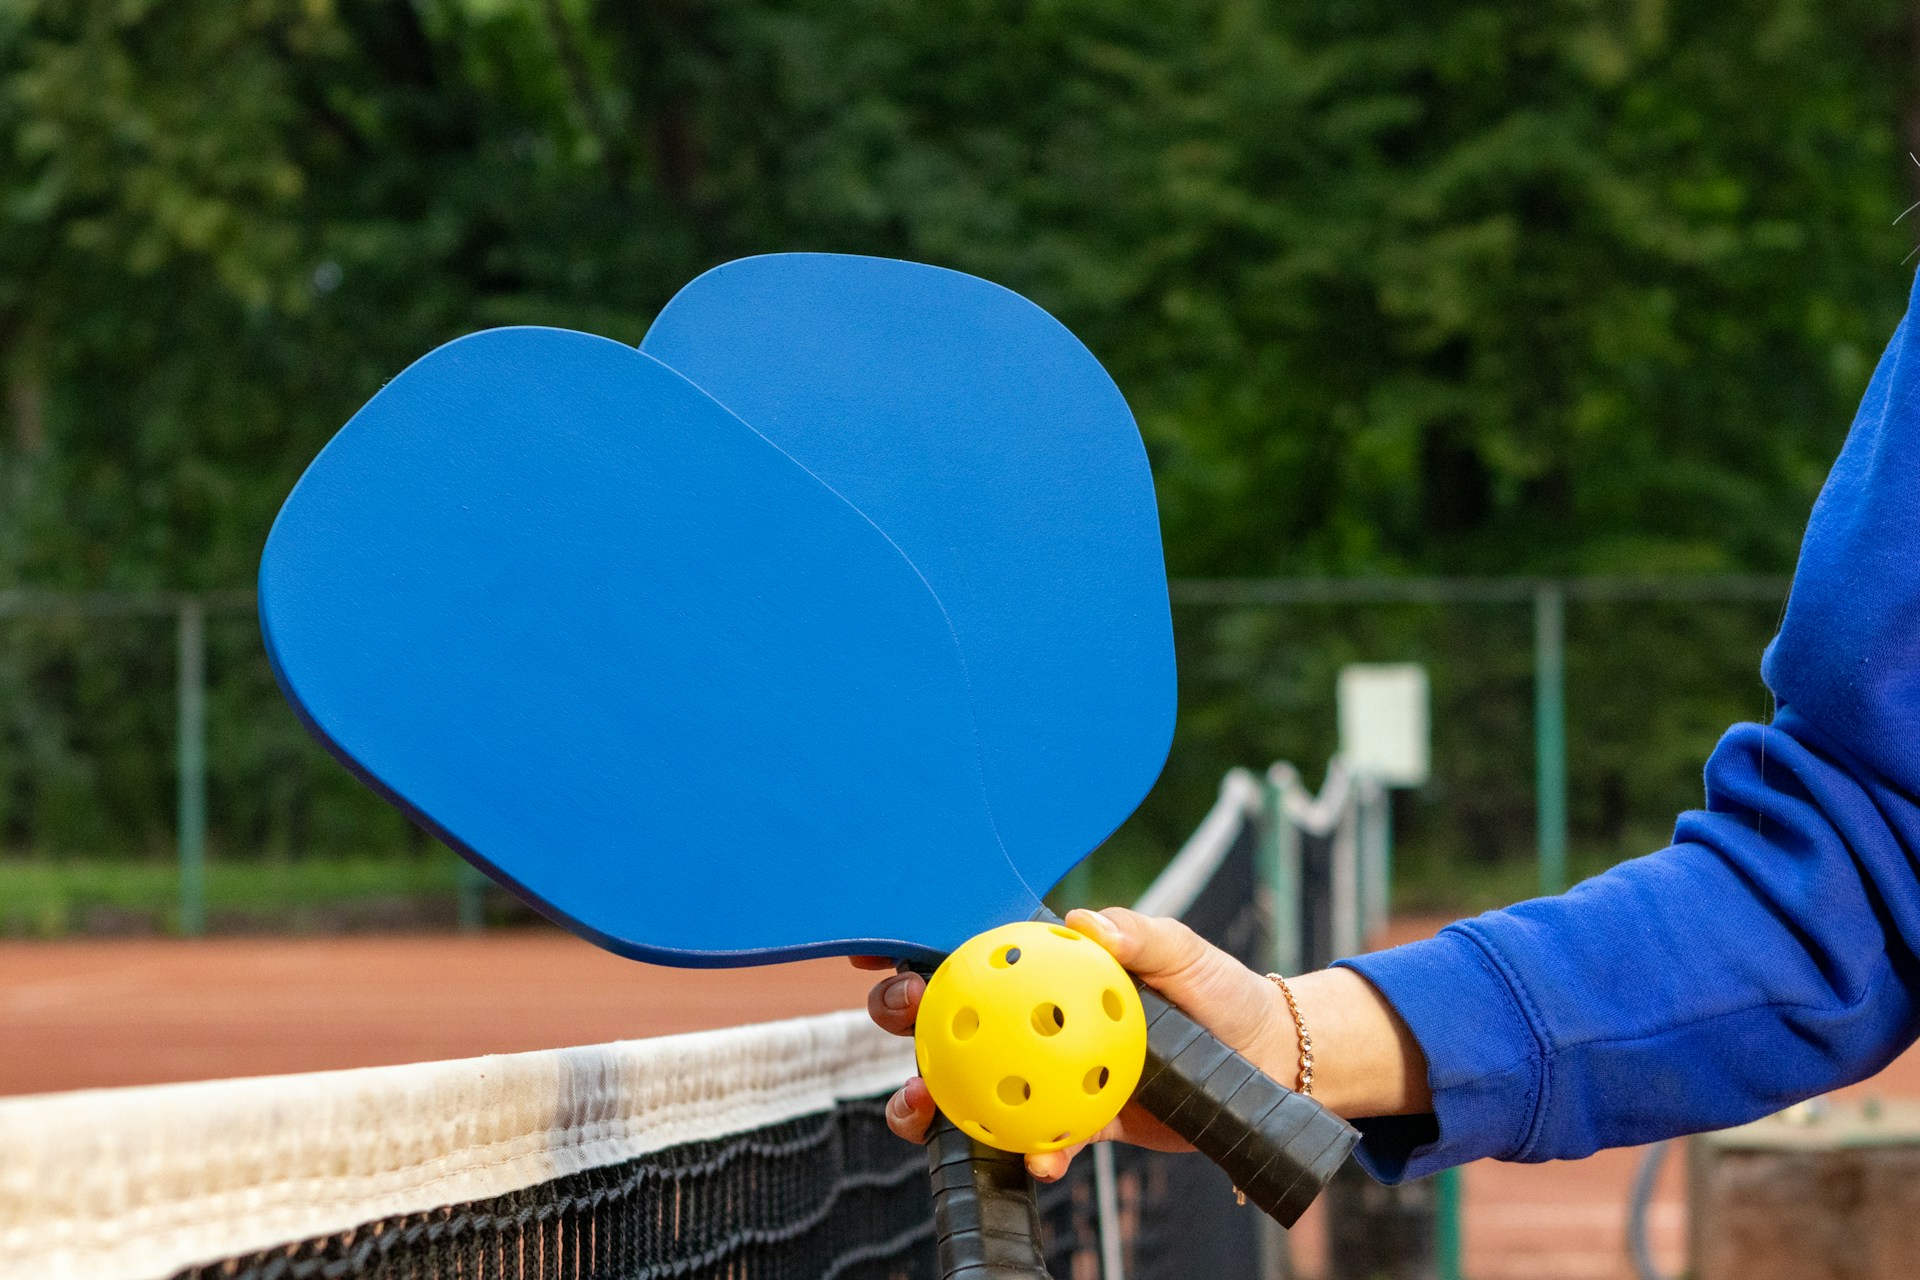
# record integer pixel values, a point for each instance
(1484, 1060)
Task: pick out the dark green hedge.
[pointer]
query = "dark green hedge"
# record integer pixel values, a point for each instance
(1541, 286)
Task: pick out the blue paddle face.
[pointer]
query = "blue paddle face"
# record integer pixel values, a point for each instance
(616, 648)
(993, 449)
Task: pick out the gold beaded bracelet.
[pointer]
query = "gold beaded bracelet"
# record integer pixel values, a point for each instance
(1300, 1026)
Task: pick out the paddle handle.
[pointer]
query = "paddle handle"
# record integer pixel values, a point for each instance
(985, 1219)
(1278, 1146)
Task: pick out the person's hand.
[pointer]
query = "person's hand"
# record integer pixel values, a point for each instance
(1244, 1009)
(1366, 1062)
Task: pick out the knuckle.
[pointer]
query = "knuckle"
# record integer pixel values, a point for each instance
(1186, 952)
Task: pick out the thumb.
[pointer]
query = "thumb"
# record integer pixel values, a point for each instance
(1210, 986)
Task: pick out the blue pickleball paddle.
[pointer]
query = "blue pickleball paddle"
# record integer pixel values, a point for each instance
(722, 681)
(632, 660)
(996, 452)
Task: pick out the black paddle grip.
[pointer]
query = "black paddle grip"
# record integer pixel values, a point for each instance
(985, 1219)
(1278, 1146)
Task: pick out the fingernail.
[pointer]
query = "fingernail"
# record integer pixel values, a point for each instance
(1103, 926)
(895, 995)
(897, 1105)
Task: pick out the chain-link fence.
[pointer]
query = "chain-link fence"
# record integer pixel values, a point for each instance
(152, 777)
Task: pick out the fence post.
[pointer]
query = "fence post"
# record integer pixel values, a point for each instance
(1277, 873)
(1076, 890)
(1280, 871)
(191, 765)
(1550, 733)
(1375, 803)
(472, 892)
(1449, 1211)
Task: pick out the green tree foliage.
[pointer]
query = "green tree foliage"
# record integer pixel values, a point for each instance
(1475, 286)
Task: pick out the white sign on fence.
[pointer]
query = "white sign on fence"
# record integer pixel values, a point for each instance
(1383, 721)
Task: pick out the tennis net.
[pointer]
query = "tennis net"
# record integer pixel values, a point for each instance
(754, 1153)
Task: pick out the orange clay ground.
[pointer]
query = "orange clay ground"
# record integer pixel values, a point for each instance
(84, 1014)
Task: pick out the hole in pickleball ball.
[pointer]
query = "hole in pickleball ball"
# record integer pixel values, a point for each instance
(1110, 1001)
(1048, 1019)
(965, 1023)
(1068, 934)
(1006, 957)
(1096, 1080)
(1061, 1137)
(1014, 1091)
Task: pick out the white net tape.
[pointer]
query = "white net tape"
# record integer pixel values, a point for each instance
(128, 1184)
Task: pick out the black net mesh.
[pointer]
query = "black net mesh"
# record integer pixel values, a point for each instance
(827, 1196)
(832, 1195)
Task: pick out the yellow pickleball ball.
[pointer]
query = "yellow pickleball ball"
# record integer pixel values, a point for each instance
(1030, 1037)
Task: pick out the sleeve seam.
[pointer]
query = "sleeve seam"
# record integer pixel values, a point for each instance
(1539, 1090)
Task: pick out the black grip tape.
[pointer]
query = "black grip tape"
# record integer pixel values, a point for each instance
(985, 1219)
(1278, 1146)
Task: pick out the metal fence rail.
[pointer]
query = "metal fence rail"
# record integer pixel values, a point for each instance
(1513, 590)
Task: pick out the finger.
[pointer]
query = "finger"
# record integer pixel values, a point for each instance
(1154, 947)
(1133, 1126)
(895, 1003)
(1235, 1003)
(910, 1110)
(1051, 1166)
(870, 962)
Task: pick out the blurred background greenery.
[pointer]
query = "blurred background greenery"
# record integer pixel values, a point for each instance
(1520, 287)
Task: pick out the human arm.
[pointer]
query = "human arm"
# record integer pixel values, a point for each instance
(1768, 954)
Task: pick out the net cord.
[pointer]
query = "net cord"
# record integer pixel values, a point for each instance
(1175, 888)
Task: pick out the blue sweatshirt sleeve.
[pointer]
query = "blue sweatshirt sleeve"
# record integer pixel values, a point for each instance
(1768, 954)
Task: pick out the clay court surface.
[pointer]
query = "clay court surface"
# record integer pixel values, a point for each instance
(87, 1014)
